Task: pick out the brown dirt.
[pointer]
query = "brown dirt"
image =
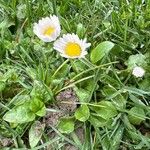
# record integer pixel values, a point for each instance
(4, 142)
(65, 103)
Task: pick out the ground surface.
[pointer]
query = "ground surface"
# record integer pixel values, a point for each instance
(49, 102)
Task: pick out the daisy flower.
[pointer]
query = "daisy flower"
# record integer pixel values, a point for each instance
(138, 71)
(70, 46)
(47, 29)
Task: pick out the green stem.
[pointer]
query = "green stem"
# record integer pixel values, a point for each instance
(87, 62)
(28, 10)
(84, 103)
(95, 84)
(59, 68)
(73, 84)
(93, 68)
(54, 7)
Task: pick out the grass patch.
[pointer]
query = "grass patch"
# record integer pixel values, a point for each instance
(96, 102)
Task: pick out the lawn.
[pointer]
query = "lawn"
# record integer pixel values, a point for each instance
(74, 74)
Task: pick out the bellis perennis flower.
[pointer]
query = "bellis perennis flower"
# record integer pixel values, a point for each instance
(70, 46)
(138, 71)
(47, 29)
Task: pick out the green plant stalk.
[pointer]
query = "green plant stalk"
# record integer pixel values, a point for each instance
(86, 62)
(54, 7)
(73, 84)
(65, 62)
(28, 11)
(95, 83)
(93, 68)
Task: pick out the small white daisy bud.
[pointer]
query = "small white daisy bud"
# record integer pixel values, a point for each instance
(138, 71)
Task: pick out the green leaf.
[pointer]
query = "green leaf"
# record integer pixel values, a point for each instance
(136, 115)
(117, 138)
(82, 94)
(35, 133)
(6, 23)
(101, 50)
(97, 121)
(106, 110)
(107, 79)
(41, 112)
(19, 114)
(78, 66)
(21, 13)
(118, 100)
(80, 30)
(2, 86)
(25, 112)
(136, 60)
(37, 106)
(106, 143)
(41, 91)
(10, 75)
(82, 113)
(63, 72)
(37, 90)
(31, 72)
(113, 143)
(144, 84)
(66, 125)
(20, 99)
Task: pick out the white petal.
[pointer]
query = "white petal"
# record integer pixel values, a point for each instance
(61, 43)
(138, 71)
(44, 23)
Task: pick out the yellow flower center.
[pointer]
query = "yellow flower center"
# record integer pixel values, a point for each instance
(73, 49)
(48, 31)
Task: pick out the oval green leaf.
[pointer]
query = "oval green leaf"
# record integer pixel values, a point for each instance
(101, 50)
(37, 106)
(19, 114)
(66, 125)
(136, 115)
(82, 113)
(35, 133)
(106, 110)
